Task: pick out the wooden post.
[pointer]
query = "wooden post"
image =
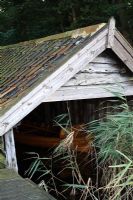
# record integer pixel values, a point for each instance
(11, 160)
(111, 32)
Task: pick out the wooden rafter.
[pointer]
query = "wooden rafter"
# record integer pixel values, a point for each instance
(108, 37)
(111, 32)
(54, 81)
(123, 50)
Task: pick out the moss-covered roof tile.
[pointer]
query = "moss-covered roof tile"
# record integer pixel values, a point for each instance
(24, 65)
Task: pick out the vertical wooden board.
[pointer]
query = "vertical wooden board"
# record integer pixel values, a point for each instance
(111, 31)
(11, 160)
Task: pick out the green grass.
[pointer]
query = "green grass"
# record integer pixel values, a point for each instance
(113, 149)
(114, 142)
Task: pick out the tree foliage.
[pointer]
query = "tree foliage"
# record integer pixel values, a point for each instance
(29, 19)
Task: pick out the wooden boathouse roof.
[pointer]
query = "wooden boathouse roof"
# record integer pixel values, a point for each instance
(25, 65)
(32, 71)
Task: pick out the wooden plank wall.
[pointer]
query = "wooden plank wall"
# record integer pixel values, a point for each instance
(47, 112)
(105, 72)
(81, 111)
(105, 69)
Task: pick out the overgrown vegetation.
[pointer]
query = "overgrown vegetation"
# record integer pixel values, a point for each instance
(114, 141)
(110, 158)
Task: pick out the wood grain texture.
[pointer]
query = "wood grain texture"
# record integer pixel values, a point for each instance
(91, 80)
(103, 68)
(53, 82)
(124, 42)
(85, 92)
(123, 54)
(111, 31)
(97, 79)
(14, 187)
(11, 160)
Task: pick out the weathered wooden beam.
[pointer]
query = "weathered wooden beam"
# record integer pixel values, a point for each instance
(54, 81)
(92, 68)
(111, 32)
(123, 54)
(90, 92)
(124, 42)
(97, 79)
(11, 160)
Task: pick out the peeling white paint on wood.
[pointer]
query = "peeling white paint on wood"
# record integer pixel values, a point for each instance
(103, 68)
(111, 31)
(124, 42)
(92, 92)
(90, 86)
(122, 53)
(54, 81)
(10, 151)
(97, 79)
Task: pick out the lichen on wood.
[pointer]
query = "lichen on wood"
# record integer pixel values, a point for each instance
(2, 155)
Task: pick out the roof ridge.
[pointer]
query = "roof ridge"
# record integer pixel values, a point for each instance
(84, 31)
